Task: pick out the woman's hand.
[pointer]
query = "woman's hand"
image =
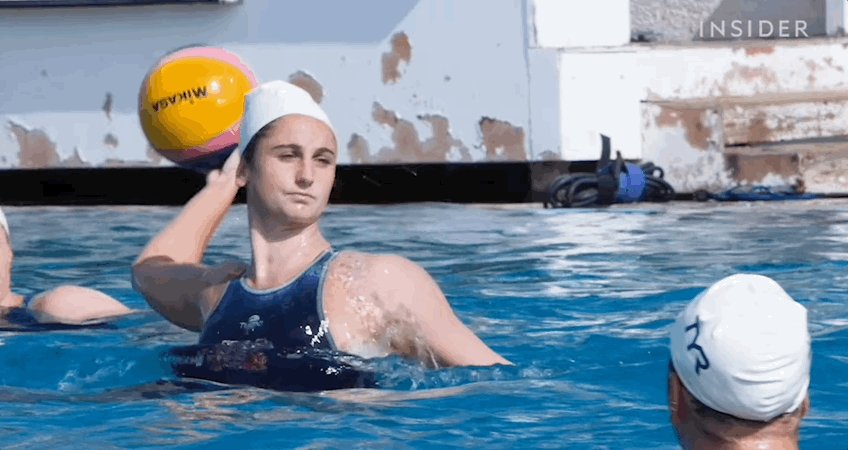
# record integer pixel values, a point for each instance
(227, 175)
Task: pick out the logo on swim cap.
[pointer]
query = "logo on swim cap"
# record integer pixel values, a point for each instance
(701, 361)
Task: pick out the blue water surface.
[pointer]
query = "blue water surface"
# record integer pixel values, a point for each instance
(580, 300)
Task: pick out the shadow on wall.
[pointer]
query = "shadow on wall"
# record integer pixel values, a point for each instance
(277, 21)
(764, 19)
(54, 71)
(680, 21)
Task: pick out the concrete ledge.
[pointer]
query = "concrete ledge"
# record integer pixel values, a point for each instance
(519, 182)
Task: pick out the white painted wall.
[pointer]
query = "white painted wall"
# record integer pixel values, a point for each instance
(469, 61)
(603, 91)
(562, 72)
(560, 23)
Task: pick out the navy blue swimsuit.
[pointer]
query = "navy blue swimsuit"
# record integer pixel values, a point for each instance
(276, 338)
(291, 317)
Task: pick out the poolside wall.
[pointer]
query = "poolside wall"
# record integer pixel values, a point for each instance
(458, 83)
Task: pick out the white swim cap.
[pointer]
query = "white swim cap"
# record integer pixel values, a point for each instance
(4, 224)
(742, 347)
(272, 100)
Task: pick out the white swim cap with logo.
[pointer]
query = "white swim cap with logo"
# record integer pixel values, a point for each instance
(272, 100)
(742, 347)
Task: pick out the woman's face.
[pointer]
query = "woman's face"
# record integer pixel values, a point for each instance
(293, 170)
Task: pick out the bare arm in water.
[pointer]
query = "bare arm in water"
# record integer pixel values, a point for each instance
(71, 305)
(169, 272)
(75, 305)
(414, 298)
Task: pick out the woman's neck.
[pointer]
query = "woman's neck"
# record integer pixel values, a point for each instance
(281, 253)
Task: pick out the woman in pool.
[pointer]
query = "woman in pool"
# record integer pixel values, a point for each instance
(66, 305)
(298, 292)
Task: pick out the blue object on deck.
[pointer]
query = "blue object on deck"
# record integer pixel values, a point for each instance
(614, 181)
(631, 184)
(756, 194)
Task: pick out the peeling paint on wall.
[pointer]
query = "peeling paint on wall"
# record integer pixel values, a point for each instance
(754, 51)
(829, 61)
(357, 148)
(437, 106)
(825, 169)
(503, 141)
(75, 160)
(692, 120)
(401, 52)
(549, 155)
(442, 143)
(786, 118)
(757, 130)
(754, 169)
(35, 147)
(107, 106)
(308, 83)
(408, 147)
(110, 140)
(749, 75)
(668, 143)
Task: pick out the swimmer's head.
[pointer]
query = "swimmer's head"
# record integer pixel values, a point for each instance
(289, 150)
(271, 102)
(740, 363)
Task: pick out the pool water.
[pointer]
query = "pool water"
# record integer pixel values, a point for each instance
(580, 300)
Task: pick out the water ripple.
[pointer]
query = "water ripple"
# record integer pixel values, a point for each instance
(580, 300)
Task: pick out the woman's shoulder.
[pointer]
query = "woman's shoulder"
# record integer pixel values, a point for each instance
(380, 268)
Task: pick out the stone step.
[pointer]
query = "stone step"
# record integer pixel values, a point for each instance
(716, 143)
(821, 167)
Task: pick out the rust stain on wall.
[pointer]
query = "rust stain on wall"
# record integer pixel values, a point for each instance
(116, 162)
(35, 148)
(503, 141)
(754, 51)
(383, 116)
(749, 74)
(653, 96)
(357, 148)
(309, 84)
(401, 51)
(813, 67)
(110, 140)
(107, 105)
(408, 146)
(754, 168)
(549, 155)
(829, 61)
(758, 131)
(442, 141)
(75, 160)
(694, 121)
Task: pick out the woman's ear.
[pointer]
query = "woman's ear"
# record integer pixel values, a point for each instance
(677, 401)
(242, 174)
(805, 407)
